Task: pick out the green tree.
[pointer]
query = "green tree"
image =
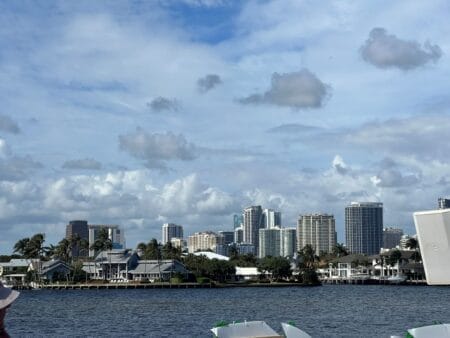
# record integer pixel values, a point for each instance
(168, 251)
(394, 257)
(277, 267)
(307, 264)
(151, 250)
(31, 247)
(339, 250)
(412, 244)
(102, 241)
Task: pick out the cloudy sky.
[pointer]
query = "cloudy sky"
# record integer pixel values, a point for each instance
(143, 112)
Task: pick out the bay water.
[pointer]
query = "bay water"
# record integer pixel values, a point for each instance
(327, 311)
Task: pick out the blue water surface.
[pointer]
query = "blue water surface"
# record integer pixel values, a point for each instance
(327, 311)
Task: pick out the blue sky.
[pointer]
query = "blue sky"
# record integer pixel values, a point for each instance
(139, 113)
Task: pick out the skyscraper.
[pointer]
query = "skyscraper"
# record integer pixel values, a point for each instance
(115, 234)
(237, 221)
(169, 231)
(444, 203)
(271, 218)
(364, 227)
(288, 242)
(317, 230)
(77, 229)
(269, 242)
(391, 237)
(253, 218)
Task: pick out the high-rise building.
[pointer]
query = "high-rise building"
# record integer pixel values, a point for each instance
(317, 230)
(237, 221)
(253, 221)
(288, 242)
(228, 236)
(364, 227)
(271, 218)
(169, 231)
(77, 229)
(207, 240)
(239, 235)
(391, 237)
(269, 242)
(443, 203)
(179, 243)
(115, 235)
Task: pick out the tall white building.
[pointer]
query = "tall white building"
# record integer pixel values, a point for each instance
(253, 221)
(115, 234)
(317, 230)
(271, 218)
(269, 242)
(171, 230)
(207, 240)
(288, 242)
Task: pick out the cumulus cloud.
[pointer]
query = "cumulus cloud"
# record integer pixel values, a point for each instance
(298, 90)
(339, 165)
(8, 125)
(155, 148)
(161, 103)
(208, 82)
(385, 50)
(86, 163)
(392, 178)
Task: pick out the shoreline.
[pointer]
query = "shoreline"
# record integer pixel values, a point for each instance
(122, 286)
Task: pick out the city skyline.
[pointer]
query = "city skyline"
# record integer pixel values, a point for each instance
(188, 111)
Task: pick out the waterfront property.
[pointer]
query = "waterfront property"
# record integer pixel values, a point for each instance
(125, 265)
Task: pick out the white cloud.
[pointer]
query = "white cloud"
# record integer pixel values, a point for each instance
(385, 50)
(298, 90)
(155, 148)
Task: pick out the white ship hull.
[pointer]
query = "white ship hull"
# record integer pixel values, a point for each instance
(433, 232)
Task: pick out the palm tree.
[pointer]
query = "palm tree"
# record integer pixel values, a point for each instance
(21, 246)
(412, 244)
(339, 250)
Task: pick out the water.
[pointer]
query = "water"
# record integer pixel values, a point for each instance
(328, 311)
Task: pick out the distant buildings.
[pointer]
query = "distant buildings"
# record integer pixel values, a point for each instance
(391, 237)
(364, 227)
(238, 220)
(169, 231)
(228, 236)
(443, 203)
(288, 242)
(77, 229)
(269, 242)
(271, 218)
(317, 230)
(204, 241)
(253, 221)
(115, 234)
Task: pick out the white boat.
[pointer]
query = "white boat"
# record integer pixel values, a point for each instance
(397, 279)
(256, 329)
(433, 233)
(434, 331)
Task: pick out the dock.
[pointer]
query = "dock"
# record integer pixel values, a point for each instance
(112, 286)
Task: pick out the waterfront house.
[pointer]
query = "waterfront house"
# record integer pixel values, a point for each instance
(112, 264)
(124, 265)
(54, 270)
(161, 270)
(14, 272)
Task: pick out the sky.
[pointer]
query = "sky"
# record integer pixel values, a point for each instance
(139, 113)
